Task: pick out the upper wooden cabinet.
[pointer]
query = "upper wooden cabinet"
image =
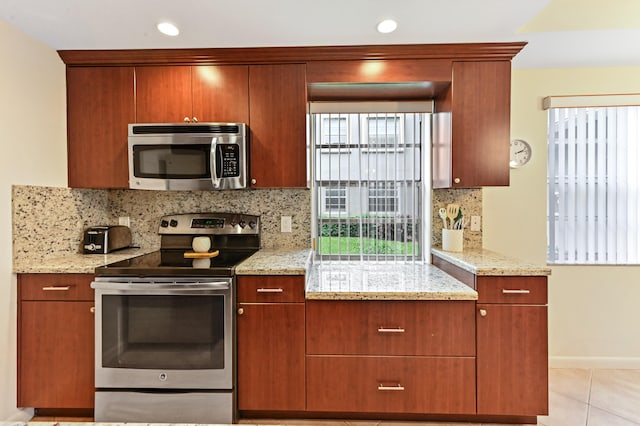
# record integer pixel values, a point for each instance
(100, 105)
(277, 108)
(474, 151)
(174, 94)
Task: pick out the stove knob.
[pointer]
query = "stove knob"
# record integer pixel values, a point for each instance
(173, 223)
(242, 224)
(164, 223)
(252, 224)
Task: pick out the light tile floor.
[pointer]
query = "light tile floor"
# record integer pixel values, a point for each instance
(577, 397)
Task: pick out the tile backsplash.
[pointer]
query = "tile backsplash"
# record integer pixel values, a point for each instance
(51, 220)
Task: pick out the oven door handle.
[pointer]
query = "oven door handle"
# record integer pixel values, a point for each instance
(156, 287)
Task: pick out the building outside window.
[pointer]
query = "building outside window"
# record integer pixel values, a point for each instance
(367, 184)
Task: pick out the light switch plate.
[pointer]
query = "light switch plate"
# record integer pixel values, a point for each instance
(124, 220)
(285, 223)
(475, 223)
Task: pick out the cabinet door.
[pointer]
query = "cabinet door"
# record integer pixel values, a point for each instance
(271, 369)
(512, 360)
(220, 93)
(479, 100)
(277, 109)
(100, 105)
(163, 94)
(55, 354)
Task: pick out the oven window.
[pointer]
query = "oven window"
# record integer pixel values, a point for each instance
(172, 161)
(163, 332)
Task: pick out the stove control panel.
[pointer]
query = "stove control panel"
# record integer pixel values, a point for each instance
(209, 224)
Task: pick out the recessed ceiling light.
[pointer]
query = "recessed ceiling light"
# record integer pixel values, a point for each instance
(168, 28)
(387, 26)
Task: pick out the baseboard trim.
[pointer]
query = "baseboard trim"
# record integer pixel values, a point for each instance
(611, 363)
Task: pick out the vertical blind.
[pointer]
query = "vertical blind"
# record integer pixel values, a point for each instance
(367, 170)
(593, 183)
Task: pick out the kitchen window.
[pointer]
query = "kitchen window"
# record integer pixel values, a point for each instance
(368, 202)
(593, 181)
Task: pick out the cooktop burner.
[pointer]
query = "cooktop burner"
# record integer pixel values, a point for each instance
(234, 236)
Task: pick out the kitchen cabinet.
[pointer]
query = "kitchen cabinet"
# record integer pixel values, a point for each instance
(271, 345)
(199, 93)
(474, 150)
(512, 336)
(391, 356)
(277, 108)
(100, 105)
(512, 346)
(55, 341)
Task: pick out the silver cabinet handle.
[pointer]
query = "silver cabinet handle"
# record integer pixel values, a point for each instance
(269, 290)
(92, 309)
(456, 180)
(483, 312)
(253, 181)
(186, 120)
(240, 311)
(397, 387)
(390, 330)
(522, 291)
(195, 119)
(57, 288)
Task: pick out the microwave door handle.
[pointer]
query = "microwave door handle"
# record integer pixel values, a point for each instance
(214, 164)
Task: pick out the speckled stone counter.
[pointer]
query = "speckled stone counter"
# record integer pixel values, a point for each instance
(486, 262)
(73, 263)
(355, 281)
(276, 262)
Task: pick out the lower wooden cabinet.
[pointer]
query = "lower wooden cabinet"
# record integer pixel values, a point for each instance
(512, 360)
(271, 344)
(55, 341)
(371, 384)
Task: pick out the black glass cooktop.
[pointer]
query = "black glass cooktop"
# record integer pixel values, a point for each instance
(173, 262)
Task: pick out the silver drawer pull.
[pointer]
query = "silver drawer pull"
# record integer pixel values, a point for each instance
(57, 288)
(269, 290)
(390, 330)
(397, 387)
(506, 291)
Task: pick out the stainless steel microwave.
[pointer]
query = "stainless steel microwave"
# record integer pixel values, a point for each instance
(184, 157)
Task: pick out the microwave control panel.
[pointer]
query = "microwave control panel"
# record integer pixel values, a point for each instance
(228, 159)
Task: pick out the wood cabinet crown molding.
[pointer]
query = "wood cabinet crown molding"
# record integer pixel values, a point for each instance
(265, 55)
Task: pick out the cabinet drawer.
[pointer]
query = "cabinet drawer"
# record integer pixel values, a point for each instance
(525, 290)
(391, 384)
(391, 327)
(267, 288)
(55, 287)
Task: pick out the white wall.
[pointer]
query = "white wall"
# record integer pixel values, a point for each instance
(593, 310)
(33, 143)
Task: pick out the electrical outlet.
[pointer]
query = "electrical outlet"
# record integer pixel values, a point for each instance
(475, 223)
(124, 220)
(285, 223)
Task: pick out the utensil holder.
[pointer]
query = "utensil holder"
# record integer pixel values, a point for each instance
(201, 244)
(452, 239)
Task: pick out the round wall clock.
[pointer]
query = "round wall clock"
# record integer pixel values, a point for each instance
(520, 153)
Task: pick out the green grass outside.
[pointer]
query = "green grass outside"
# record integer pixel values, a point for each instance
(351, 245)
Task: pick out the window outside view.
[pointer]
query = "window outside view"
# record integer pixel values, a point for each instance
(367, 185)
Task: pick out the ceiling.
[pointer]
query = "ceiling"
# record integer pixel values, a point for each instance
(560, 33)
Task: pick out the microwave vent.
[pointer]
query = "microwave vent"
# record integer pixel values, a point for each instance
(148, 129)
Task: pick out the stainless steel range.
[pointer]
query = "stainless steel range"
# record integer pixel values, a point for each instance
(165, 331)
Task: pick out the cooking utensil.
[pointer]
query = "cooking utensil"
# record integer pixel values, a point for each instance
(443, 215)
(452, 213)
(199, 255)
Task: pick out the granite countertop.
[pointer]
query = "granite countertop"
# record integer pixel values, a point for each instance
(487, 262)
(73, 263)
(384, 281)
(277, 262)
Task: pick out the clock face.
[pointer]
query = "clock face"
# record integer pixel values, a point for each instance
(520, 153)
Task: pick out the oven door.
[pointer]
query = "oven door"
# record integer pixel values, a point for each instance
(164, 333)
